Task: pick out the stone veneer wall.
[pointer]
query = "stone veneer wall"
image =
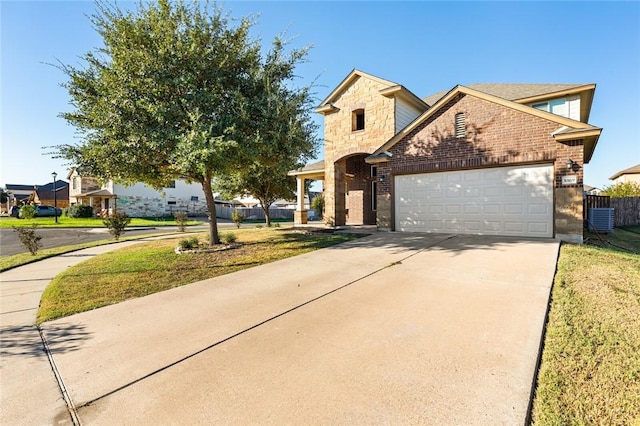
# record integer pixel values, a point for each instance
(136, 206)
(341, 141)
(496, 135)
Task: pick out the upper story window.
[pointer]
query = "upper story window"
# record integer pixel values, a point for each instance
(461, 125)
(357, 119)
(555, 106)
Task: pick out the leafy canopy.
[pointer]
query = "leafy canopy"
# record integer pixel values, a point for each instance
(177, 91)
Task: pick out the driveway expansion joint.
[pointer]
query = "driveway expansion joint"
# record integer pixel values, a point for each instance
(56, 373)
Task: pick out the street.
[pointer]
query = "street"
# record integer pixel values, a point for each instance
(56, 237)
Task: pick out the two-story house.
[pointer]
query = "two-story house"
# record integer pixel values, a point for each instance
(492, 159)
(138, 200)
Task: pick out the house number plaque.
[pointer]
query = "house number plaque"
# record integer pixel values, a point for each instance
(569, 180)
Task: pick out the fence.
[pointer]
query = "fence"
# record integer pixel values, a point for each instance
(626, 211)
(254, 213)
(595, 201)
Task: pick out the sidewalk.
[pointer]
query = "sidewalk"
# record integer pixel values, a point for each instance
(29, 393)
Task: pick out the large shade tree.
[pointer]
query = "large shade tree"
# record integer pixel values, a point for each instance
(170, 95)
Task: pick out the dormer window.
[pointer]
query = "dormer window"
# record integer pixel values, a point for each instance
(461, 125)
(357, 119)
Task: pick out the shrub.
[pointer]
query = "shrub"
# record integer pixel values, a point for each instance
(318, 205)
(237, 217)
(189, 243)
(228, 238)
(181, 220)
(116, 223)
(29, 238)
(78, 210)
(28, 211)
(622, 189)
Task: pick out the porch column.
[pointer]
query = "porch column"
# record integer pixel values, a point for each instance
(300, 215)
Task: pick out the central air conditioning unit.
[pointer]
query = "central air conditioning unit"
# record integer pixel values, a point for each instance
(600, 219)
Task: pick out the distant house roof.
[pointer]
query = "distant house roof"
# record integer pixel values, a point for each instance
(13, 187)
(630, 171)
(49, 186)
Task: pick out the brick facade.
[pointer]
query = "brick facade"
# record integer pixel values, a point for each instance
(495, 136)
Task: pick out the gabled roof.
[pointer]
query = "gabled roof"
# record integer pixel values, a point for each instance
(526, 93)
(391, 89)
(630, 171)
(570, 129)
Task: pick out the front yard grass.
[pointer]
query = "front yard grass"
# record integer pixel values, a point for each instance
(69, 222)
(151, 267)
(590, 369)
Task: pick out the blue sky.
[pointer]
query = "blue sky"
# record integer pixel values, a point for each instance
(425, 46)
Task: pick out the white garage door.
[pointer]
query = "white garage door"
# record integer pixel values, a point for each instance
(516, 201)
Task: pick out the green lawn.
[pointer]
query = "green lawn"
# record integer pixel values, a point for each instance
(590, 370)
(154, 266)
(68, 222)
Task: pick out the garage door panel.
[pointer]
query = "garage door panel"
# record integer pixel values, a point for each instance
(499, 201)
(513, 209)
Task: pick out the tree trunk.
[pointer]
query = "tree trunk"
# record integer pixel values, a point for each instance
(211, 209)
(267, 218)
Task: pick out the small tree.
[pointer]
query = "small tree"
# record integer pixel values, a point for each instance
(237, 217)
(29, 238)
(622, 189)
(116, 223)
(181, 220)
(318, 205)
(28, 211)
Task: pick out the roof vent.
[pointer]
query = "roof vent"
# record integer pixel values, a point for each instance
(461, 127)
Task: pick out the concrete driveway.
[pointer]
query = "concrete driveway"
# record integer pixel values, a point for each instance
(388, 329)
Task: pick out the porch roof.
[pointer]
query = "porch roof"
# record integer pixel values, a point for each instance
(96, 193)
(310, 171)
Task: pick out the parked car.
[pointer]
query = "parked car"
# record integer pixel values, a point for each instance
(43, 211)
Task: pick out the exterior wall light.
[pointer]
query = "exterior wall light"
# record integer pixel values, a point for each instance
(572, 165)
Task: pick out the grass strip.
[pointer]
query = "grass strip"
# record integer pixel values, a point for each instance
(151, 267)
(590, 369)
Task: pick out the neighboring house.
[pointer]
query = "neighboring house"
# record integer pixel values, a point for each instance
(137, 200)
(494, 159)
(19, 194)
(591, 190)
(38, 194)
(632, 174)
(44, 194)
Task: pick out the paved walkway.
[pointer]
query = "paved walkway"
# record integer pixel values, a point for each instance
(29, 392)
(391, 328)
